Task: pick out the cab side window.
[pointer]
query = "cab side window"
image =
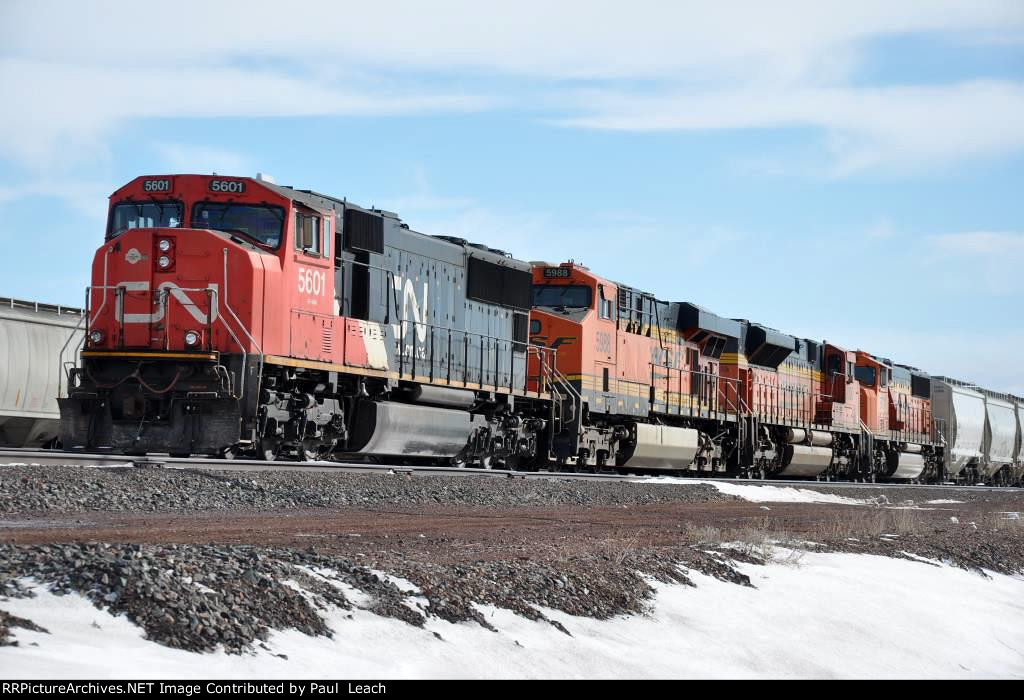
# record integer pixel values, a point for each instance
(604, 306)
(308, 235)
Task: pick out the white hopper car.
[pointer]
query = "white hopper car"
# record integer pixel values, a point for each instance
(981, 430)
(36, 340)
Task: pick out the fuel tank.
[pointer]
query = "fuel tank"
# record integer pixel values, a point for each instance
(412, 430)
(804, 460)
(906, 465)
(662, 447)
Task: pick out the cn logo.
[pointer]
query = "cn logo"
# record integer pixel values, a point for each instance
(175, 292)
(412, 310)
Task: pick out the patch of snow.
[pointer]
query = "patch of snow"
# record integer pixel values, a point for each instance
(940, 501)
(780, 494)
(329, 576)
(835, 615)
(402, 584)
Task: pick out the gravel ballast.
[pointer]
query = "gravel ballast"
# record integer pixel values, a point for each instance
(202, 598)
(60, 489)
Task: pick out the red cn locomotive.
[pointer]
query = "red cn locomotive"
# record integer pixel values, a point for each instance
(234, 315)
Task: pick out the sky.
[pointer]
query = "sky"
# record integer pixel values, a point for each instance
(852, 172)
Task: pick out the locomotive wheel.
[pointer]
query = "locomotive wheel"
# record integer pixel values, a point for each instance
(267, 449)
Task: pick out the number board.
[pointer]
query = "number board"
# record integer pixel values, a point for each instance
(156, 185)
(557, 272)
(227, 186)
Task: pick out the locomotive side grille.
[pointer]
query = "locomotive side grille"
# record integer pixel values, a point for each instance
(921, 386)
(520, 325)
(363, 231)
(327, 340)
(498, 284)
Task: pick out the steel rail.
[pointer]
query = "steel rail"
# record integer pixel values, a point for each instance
(34, 457)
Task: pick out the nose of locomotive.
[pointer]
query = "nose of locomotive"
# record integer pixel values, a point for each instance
(139, 300)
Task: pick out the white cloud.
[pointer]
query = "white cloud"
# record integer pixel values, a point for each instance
(56, 105)
(572, 38)
(991, 244)
(866, 126)
(976, 262)
(75, 72)
(88, 197)
(882, 229)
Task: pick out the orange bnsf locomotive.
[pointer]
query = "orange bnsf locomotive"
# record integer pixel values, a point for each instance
(673, 386)
(233, 316)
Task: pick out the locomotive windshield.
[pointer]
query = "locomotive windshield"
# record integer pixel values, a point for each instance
(263, 224)
(151, 214)
(562, 295)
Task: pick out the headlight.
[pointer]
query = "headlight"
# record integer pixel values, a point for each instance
(164, 261)
(191, 338)
(164, 245)
(96, 337)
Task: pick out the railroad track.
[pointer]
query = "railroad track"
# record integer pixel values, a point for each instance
(17, 456)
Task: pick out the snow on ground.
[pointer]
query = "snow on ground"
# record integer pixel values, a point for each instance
(830, 615)
(764, 494)
(941, 501)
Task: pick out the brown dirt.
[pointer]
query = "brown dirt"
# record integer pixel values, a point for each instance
(590, 560)
(445, 534)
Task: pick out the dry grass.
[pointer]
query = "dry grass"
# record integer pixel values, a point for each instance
(764, 541)
(998, 521)
(869, 524)
(619, 550)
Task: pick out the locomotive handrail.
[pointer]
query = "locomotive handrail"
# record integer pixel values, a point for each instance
(709, 385)
(563, 380)
(514, 347)
(85, 317)
(103, 287)
(67, 372)
(245, 355)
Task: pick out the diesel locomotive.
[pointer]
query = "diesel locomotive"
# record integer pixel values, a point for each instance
(234, 316)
